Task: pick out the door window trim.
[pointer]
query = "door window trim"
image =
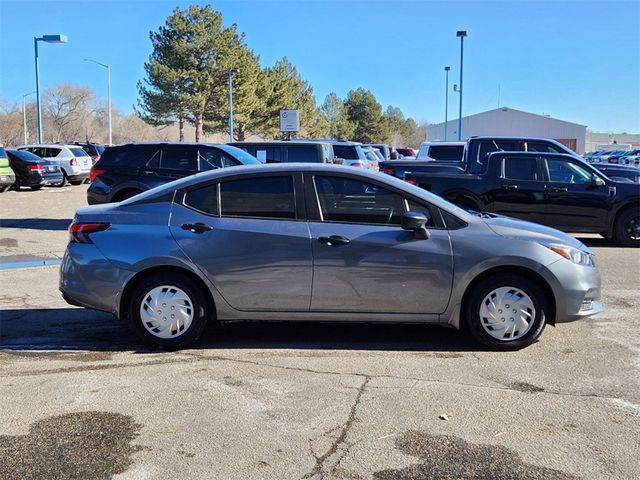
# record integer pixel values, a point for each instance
(313, 200)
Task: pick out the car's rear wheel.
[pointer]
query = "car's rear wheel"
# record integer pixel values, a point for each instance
(64, 182)
(35, 187)
(628, 227)
(506, 312)
(168, 310)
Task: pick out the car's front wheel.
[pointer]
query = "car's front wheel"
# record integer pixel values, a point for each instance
(168, 310)
(628, 227)
(506, 312)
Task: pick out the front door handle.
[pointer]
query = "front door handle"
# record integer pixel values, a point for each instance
(334, 240)
(511, 187)
(560, 189)
(197, 227)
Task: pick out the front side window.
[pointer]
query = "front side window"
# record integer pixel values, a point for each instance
(521, 169)
(264, 197)
(211, 158)
(543, 148)
(353, 201)
(562, 171)
(179, 159)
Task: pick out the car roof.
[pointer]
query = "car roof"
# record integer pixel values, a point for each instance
(280, 168)
(438, 142)
(279, 142)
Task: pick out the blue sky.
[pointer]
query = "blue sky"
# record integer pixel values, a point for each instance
(575, 60)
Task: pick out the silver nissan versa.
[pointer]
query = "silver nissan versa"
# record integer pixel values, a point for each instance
(313, 242)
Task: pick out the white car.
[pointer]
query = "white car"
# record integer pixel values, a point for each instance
(73, 161)
(441, 151)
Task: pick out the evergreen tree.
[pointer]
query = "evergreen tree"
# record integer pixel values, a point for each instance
(366, 114)
(339, 125)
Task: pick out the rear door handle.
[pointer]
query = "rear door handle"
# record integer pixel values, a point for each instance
(197, 227)
(334, 240)
(560, 189)
(511, 187)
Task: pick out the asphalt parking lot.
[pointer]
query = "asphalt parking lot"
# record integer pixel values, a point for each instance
(81, 398)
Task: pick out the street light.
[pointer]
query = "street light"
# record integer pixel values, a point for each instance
(446, 102)
(48, 39)
(231, 72)
(24, 115)
(461, 34)
(108, 67)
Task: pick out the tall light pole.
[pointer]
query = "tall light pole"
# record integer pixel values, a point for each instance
(24, 115)
(231, 72)
(108, 67)
(48, 39)
(461, 34)
(446, 102)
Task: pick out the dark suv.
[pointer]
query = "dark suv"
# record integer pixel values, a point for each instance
(126, 170)
(288, 151)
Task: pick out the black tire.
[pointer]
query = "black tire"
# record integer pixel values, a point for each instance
(627, 227)
(198, 301)
(76, 182)
(64, 182)
(474, 323)
(36, 187)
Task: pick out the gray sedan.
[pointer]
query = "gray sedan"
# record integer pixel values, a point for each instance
(312, 242)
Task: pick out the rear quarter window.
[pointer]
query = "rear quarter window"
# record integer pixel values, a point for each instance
(126, 156)
(79, 152)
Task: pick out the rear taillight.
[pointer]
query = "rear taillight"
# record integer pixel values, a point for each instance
(388, 171)
(357, 164)
(79, 232)
(73, 162)
(93, 174)
(411, 181)
(36, 168)
(95, 158)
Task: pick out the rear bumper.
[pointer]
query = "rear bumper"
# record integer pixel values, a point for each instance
(40, 179)
(7, 180)
(89, 280)
(79, 176)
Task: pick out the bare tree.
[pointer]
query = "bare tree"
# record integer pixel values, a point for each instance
(68, 108)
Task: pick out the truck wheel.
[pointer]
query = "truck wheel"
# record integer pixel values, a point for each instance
(628, 227)
(506, 312)
(168, 310)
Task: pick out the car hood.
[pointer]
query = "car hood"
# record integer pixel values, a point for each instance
(522, 230)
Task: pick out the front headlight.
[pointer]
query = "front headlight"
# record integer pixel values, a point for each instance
(572, 254)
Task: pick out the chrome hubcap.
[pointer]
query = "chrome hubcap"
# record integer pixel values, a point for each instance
(507, 313)
(166, 311)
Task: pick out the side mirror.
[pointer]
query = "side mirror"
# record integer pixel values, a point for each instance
(415, 222)
(596, 181)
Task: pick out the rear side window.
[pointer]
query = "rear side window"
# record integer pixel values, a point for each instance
(179, 159)
(212, 158)
(447, 153)
(78, 152)
(268, 154)
(53, 152)
(263, 197)
(495, 146)
(348, 152)
(203, 199)
(521, 169)
(302, 154)
(127, 156)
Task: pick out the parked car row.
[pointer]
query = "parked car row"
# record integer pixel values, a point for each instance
(20, 168)
(620, 157)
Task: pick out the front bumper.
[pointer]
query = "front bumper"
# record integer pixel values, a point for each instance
(577, 290)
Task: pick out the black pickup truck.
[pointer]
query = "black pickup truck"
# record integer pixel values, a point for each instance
(475, 153)
(553, 189)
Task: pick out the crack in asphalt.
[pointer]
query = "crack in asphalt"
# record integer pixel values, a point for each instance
(196, 357)
(319, 468)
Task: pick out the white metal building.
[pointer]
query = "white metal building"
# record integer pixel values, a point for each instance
(506, 121)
